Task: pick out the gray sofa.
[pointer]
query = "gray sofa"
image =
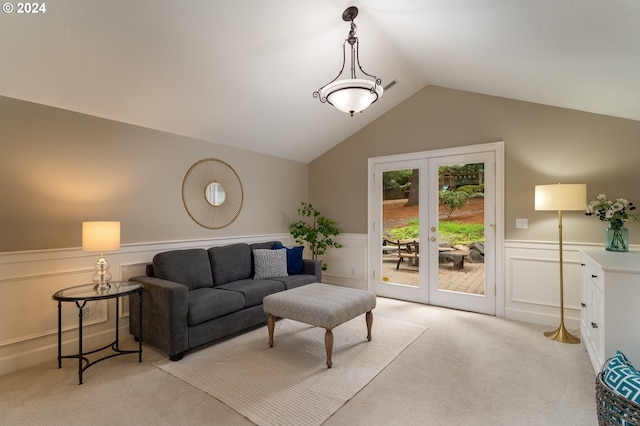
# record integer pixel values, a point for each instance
(195, 296)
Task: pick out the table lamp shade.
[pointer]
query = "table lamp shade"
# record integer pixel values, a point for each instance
(561, 197)
(100, 236)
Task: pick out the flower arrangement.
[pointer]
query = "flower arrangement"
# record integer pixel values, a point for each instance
(616, 212)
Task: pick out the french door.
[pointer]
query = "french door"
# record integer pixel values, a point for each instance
(436, 227)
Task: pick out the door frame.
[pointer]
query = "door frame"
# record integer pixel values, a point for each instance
(498, 149)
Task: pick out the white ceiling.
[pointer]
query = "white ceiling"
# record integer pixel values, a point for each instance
(242, 72)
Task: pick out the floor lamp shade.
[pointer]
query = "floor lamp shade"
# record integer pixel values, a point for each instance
(101, 236)
(561, 197)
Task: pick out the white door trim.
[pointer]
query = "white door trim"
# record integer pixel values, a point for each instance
(498, 149)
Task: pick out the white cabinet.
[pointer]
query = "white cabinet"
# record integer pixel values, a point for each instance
(610, 305)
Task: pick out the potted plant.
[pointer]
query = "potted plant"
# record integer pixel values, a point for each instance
(315, 231)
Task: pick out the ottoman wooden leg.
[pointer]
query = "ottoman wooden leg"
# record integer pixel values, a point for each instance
(328, 343)
(369, 318)
(271, 324)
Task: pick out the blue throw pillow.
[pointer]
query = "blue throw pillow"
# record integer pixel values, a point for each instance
(618, 360)
(294, 258)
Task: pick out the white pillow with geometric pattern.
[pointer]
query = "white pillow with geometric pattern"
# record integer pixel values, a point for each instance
(270, 263)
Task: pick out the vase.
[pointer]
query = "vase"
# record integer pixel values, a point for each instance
(616, 237)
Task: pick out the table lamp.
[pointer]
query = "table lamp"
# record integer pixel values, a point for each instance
(561, 197)
(101, 236)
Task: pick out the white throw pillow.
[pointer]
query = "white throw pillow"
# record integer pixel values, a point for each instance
(270, 263)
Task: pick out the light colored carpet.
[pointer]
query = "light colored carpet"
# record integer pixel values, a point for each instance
(290, 384)
(467, 369)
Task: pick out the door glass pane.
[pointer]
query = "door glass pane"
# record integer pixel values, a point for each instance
(400, 227)
(461, 228)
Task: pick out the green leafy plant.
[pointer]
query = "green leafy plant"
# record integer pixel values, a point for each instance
(409, 232)
(471, 189)
(453, 200)
(460, 233)
(453, 233)
(315, 231)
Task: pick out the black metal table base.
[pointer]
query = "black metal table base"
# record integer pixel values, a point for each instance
(83, 360)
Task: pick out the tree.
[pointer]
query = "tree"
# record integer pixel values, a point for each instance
(395, 178)
(414, 189)
(316, 234)
(453, 200)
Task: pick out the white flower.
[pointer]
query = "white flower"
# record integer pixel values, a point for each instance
(612, 211)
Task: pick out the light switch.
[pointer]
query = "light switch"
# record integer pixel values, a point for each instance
(522, 223)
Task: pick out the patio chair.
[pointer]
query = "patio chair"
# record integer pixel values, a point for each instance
(411, 252)
(389, 247)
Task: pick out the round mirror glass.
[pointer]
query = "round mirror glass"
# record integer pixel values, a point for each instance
(214, 193)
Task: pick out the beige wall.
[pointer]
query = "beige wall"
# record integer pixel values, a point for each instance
(543, 145)
(59, 168)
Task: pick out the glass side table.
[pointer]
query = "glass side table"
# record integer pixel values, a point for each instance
(82, 294)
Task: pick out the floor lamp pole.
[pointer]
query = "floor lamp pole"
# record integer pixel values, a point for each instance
(561, 334)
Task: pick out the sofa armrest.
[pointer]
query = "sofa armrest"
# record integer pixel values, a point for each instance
(313, 267)
(164, 314)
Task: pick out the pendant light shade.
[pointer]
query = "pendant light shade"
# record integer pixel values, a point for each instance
(351, 95)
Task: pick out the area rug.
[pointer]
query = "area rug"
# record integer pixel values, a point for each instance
(290, 383)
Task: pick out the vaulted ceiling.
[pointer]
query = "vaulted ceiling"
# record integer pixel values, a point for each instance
(242, 72)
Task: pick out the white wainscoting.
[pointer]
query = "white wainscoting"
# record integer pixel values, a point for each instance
(29, 325)
(28, 330)
(532, 279)
(348, 266)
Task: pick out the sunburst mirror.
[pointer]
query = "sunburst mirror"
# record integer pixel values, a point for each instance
(212, 193)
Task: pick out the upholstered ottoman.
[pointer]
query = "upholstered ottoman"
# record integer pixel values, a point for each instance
(321, 305)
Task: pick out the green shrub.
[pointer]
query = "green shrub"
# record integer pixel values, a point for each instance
(455, 233)
(471, 189)
(452, 233)
(409, 232)
(453, 200)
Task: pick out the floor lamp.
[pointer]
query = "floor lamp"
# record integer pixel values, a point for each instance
(561, 197)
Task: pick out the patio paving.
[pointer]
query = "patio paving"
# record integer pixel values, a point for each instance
(468, 280)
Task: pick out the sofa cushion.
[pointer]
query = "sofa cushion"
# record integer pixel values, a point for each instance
(294, 258)
(190, 267)
(293, 281)
(267, 245)
(270, 263)
(208, 303)
(254, 290)
(230, 263)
